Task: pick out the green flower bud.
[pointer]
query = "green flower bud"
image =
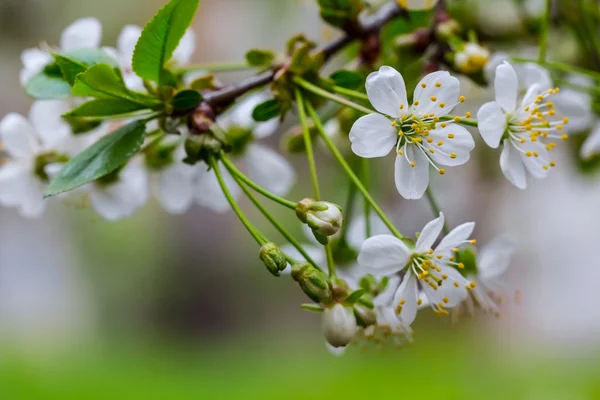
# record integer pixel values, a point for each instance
(339, 325)
(313, 282)
(200, 147)
(322, 217)
(273, 258)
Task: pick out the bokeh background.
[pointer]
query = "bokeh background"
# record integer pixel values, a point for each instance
(164, 307)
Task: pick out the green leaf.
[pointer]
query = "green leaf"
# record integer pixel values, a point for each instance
(160, 38)
(260, 58)
(186, 100)
(74, 62)
(48, 87)
(266, 110)
(101, 81)
(354, 297)
(102, 108)
(312, 307)
(103, 157)
(347, 79)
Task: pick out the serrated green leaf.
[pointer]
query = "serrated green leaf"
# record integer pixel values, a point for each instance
(260, 58)
(102, 108)
(160, 38)
(186, 100)
(347, 79)
(103, 157)
(266, 110)
(101, 81)
(48, 87)
(74, 62)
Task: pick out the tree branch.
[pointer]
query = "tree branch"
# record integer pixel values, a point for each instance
(370, 25)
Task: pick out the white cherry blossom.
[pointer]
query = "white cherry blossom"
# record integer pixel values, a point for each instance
(522, 127)
(432, 270)
(416, 132)
(85, 33)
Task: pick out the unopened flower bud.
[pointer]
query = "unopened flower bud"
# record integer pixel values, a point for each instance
(471, 59)
(273, 258)
(322, 217)
(200, 147)
(313, 282)
(339, 325)
(365, 316)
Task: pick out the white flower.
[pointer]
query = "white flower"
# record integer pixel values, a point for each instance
(493, 261)
(82, 34)
(417, 4)
(207, 191)
(120, 198)
(521, 127)
(432, 270)
(126, 42)
(339, 325)
(415, 131)
(472, 58)
(265, 167)
(32, 144)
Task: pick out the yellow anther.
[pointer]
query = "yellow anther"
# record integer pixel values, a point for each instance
(433, 98)
(472, 284)
(564, 137)
(461, 265)
(430, 140)
(472, 241)
(462, 99)
(535, 154)
(552, 164)
(440, 143)
(416, 103)
(438, 84)
(443, 125)
(439, 257)
(442, 104)
(430, 251)
(412, 164)
(545, 167)
(456, 284)
(442, 171)
(451, 136)
(425, 273)
(419, 302)
(527, 108)
(402, 106)
(549, 104)
(423, 85)
(394, 123)
(468, 114)
(402, 302)
(528, 154)
(451, 258)
(431, 150)
(453, 155)
(445, 300)
(560, 127)
(522, 140)
(534, 139)
(551, 112)
(436, 119)
(400, 152)
(444, 276)
(565, 120)
(456, 250)
(457, 119)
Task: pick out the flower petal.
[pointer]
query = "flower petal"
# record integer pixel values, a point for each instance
(492, 123)
(85, 33)
(448, 294)
(356, 235)
(373, 136)
(532, 92)
(386, 297)
(208, 192)
(494, 258)
(532, 74)
(506, 87)
(455, 148)
(440, 87)
(174, 189)
(429, 234)
(122, 198)
(185, 50)
(494, 61)
(18, 136)
(270, 170)
(387, 91)
(591, 146)
(538, 164)
(46, 118)
(512, 166)
(383, 255)
(13, 182)
(456, 237)
(412, 182)
(126, 44)
(34, 60)
(407, 293)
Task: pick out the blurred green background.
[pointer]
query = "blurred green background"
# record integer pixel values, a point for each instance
(164, 307)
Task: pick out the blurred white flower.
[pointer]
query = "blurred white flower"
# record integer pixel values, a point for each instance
(266, 167)
(520, 127)
(32, 145)
(415, 131)
(207, 191)
(85, 33)
(432, 270)
(472, 58)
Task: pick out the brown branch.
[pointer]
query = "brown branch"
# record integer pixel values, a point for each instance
(371, 25)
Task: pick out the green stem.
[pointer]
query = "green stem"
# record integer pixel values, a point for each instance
(324, 93)
(274, 222)
(351, 93)
(435, 207)
(340, 158)
(366, 178)
(308, 144)
(545, 31)
(236, 172)
(215, 67)
(253, 231)
(330, 263)
(349, 213)
(562, 67)
(462, 121)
